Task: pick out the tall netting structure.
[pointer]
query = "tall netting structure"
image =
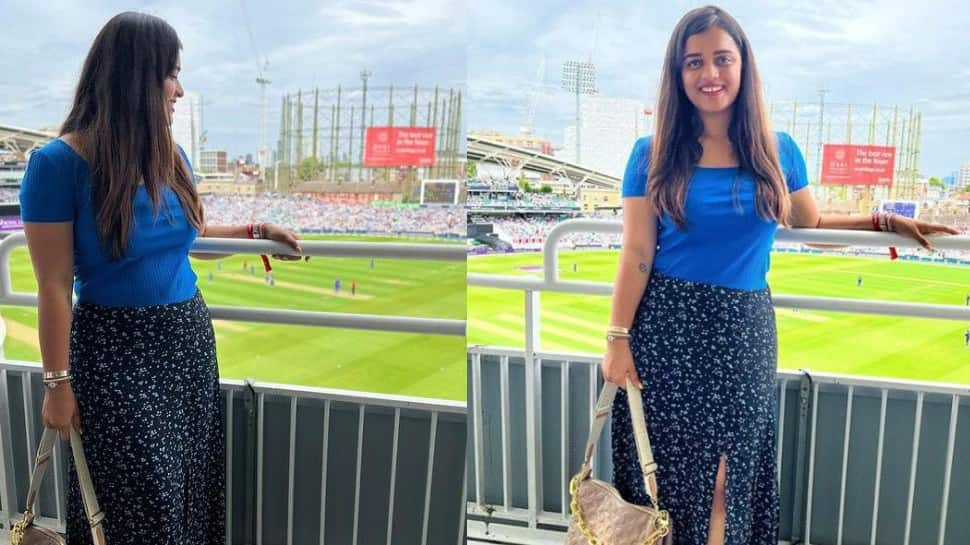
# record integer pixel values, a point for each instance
(331, 126)
(812, 124)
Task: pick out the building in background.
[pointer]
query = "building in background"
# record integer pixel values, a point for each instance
(187, 126)
(610, 126)
(964, 178)
(227, 183)
(592, 199)
(213, 160)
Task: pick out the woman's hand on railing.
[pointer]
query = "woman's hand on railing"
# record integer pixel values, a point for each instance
(60, 409)
(916, 229)
(275, 232)
(618, 365)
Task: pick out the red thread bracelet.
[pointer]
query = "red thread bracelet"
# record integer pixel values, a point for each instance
(249, 232)
(891, 223)
(876, 220)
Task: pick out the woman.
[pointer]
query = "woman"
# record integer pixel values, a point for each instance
(692, 324)
(111, 207)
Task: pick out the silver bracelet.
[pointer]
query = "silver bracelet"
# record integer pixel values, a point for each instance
(55, 382)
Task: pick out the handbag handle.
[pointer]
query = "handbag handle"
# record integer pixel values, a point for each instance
(644, 453)
(42, 461)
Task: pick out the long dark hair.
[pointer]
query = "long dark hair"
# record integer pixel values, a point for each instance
(121, 120)
(676, 149)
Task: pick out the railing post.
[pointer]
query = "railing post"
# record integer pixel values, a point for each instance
(249, 463)
(801, 456)
(475, 417)
(8, 245)
(533, 405)
(8, 488)
(3, 337)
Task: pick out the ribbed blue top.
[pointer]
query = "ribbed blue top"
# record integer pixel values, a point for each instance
(155, 269)
(725, 242)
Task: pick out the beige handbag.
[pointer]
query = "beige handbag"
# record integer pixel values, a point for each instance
(26, 532)
(599, 515)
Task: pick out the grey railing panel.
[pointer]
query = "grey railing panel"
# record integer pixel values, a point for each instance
(496, 476)
(897, 460)
(830, 413)
(571, 431)
(359, 496)
(411, 468)
(957, 523)
(375, 464)
(788, 423)
(552, 430)
(447, 505)
(305, 465)
(579, 401)
(21, 431)
(241, 471)
(813, 412)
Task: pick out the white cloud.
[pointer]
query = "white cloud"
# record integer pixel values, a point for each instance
(397, 13)
(893, 52)
(408, 42)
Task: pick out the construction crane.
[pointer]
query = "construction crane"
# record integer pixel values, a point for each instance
(262, 67)
(532, 98)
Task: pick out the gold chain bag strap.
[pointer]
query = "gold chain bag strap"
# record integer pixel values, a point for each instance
(25, 532)
(599, 515)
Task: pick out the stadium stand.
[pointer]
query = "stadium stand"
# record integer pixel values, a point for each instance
(312, 213)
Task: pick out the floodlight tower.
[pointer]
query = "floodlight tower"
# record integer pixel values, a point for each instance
(580, 78)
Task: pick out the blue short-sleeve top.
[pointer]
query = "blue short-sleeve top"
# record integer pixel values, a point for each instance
(155, 269)
(725, 242)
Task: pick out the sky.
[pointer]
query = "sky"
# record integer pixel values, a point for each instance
(308, 44)
(893, 52)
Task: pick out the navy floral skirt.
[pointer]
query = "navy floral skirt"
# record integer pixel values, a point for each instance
(147, 388)
(707, 357)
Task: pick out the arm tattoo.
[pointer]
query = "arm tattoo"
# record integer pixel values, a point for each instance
(644, 268)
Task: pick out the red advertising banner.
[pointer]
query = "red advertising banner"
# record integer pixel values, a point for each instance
(399, 147)
(849, 164)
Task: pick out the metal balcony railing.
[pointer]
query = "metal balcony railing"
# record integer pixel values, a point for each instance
(860, 460)
(303, 465)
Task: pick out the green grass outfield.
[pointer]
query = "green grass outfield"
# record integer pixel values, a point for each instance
(394, 363)
(857, 344)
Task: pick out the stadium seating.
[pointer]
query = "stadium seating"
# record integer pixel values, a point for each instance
(311, 212)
